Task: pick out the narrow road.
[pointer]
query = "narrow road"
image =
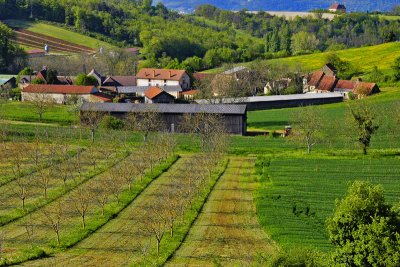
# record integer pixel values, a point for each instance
(227, 232)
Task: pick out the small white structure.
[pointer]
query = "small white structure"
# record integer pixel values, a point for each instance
(163, 78)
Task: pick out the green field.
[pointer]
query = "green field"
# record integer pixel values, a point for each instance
(60, 33)
(299, 194)
(363, 59)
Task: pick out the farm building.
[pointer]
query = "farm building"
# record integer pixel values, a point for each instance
(157, 95)
(163, 77)
(325, 80)
(139, 91)
(281, 101)
(337, 8)
(234, 116)
(61, 93)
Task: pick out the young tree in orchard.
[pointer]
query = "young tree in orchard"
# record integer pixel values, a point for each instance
(81, 200)
(54, 217)
(364, 229)
(41, 102)
(307, 125)
(365, 124)
(145, 122)
(92, 119)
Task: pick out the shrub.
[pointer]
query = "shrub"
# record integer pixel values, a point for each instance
(110, 122)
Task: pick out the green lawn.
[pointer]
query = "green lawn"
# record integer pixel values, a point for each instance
(60, 33)
(364, 58)
(23, 111)
(294, 203)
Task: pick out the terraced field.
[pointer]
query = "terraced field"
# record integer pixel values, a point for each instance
(37, 40)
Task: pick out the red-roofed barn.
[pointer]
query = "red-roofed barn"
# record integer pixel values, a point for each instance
(157, 95)
(60, 94)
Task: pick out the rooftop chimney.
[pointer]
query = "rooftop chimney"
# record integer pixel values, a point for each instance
(170, 74)
(154, 73)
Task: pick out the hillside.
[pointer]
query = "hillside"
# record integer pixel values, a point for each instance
(36, 34)
(363, 58)
(276, 5)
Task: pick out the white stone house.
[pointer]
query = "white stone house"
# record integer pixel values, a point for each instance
(163, 78)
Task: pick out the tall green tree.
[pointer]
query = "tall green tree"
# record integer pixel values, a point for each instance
(363, 124)
(364, 229)
(11, 55)
(396, 69)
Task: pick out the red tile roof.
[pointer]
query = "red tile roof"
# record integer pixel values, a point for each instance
(160, 74)
(337, 6)
(153, 92)
(103, 97)
(316, 78)
(345, 85)
(366, 88)
(327, 83)
(190, 92)
(59, 89)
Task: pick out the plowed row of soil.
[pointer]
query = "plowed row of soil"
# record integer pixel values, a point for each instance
(33, 39)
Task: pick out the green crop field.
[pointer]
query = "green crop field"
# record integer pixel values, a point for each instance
(60, 33)
(363, 59)
(299, 194)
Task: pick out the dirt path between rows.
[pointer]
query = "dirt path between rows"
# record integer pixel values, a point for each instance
(227, 232)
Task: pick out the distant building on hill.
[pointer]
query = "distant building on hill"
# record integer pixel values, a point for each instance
(337, 8)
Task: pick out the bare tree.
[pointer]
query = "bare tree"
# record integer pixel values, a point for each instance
(173, 204)
(145, 121)
(204, 125)
(22, 190)
(44, 178)
(29, 228)
(101, 193)
(91, 119)
(114, 184)
(54, 216)
(155, 222)
(81, 199)
(41, 102)
(307, 124)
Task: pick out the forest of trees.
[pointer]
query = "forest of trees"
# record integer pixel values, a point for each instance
(209, 37)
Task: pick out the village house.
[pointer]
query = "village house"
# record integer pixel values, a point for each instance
(163, 78)
(337, 8)
(139, 91)
(112, 81)
(61, 94)
(325, 80)
(157, 95)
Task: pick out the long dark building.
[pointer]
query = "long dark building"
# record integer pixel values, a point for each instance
(233, 116)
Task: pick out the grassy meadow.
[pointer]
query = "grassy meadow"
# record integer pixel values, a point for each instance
(363, 59)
